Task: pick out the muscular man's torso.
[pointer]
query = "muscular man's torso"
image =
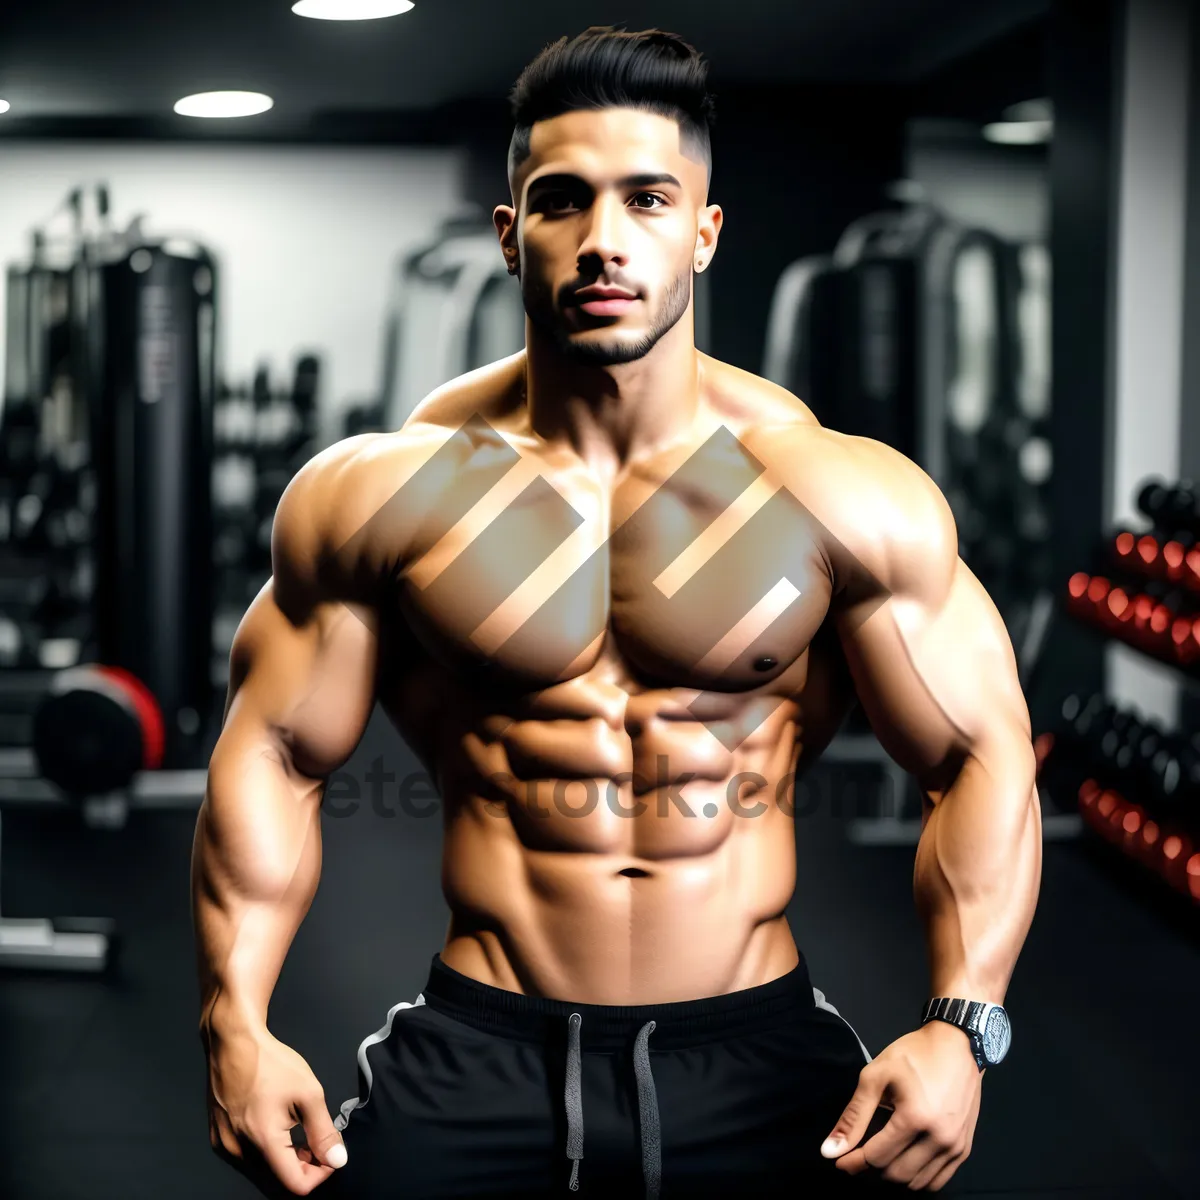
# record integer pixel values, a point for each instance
(614, 683)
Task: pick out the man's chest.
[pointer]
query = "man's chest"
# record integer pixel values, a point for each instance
(701, 569)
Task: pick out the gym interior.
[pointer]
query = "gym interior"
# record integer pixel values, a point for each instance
(969, 230)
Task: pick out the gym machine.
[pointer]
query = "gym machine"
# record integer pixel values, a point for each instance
(932, 336)
(109, 402)
(261, 438)
(453, 308)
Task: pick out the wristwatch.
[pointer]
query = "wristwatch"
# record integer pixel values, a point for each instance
(986, 1025)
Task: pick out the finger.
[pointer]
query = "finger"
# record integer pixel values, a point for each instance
(285, 1163)
(932, 1169)
(944, 1176)
(274, 1180)
(852, 1124)
(222, 1140)
(322, 1136)
(901, 1132)
(917, 1164)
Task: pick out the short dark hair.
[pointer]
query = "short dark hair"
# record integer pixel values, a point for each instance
(606, 67)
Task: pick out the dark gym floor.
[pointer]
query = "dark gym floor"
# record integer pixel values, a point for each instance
(102, 1085)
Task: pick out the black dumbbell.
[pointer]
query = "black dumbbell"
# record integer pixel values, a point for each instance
(1182, 507)
(1172, 509)
(95, 729)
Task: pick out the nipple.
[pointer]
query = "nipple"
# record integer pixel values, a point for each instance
(765, 663)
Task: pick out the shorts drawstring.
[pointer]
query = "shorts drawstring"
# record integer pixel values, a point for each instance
(648, 1110)
(651, 1134)
(574, 1098)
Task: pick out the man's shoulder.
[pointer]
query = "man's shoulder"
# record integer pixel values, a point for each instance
(879, 514)
(454, 421)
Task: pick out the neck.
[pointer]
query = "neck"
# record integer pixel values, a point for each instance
(611, 416)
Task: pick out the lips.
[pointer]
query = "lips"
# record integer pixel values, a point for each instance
(607, 308)
(604, 301)
(588, 294)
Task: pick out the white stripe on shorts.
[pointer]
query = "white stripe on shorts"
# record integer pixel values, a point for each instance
(821, 1002)
(364, 1067)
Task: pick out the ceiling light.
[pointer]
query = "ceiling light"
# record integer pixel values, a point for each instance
(1019, 133)
(4, 106)
(223, 104)
(350, 10)
(1041, 109)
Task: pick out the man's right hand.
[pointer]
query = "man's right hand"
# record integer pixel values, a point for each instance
(258, 1090)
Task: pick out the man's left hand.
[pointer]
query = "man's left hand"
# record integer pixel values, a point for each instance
(929, 1078)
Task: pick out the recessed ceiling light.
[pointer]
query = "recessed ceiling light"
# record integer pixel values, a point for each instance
(1041, 109)
(1019, 133)
(223, 104)
(4, 106)
(350, 10)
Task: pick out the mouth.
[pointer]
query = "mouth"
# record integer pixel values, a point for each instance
(607, 306)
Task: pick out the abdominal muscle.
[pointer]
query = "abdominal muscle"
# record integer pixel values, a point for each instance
(621, 857)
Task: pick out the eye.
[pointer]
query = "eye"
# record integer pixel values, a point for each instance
(649, 196)
(554, 202)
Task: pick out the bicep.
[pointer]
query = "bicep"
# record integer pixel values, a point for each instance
(303, 688)
(934, 669)
(303, 664)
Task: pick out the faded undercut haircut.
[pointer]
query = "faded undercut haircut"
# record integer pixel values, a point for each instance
(606, 67)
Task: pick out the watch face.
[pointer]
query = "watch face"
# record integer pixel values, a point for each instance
(997, 1036)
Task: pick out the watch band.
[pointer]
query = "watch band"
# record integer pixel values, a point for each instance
(963, 1013)
(966, 1014)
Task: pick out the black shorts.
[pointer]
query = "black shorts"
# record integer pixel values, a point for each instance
(477, 1091)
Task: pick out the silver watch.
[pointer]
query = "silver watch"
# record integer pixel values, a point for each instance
(986, 1025)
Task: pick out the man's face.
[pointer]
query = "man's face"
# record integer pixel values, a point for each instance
(608, 199)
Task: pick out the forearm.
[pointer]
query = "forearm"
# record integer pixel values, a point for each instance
(256, 862)
(978, 869)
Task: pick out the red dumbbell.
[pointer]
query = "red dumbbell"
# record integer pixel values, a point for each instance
(1191, 567)
(1089, 793)
(1149, 556)
(1077, 586)
(1158, 632)
(1192, 877)
(1185, 640)
(1173, 556)
(1115, 823)
(1108, 805)
(1118, 611)
(1097, 590)
(1176, 851)
(1132, 822)
(1147, 846)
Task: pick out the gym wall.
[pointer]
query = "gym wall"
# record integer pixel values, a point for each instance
(985, 186)
(1149, 257)
(306, 239)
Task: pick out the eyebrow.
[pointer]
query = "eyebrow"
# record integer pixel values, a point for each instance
(643, 180)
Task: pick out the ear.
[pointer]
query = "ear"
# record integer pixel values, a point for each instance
(706, 235)
(505, 220)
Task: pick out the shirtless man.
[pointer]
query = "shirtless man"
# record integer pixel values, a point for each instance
(615, 594)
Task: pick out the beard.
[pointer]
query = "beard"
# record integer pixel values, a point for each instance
(614, 350)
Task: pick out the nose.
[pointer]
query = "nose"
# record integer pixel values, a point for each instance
(604, 239)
